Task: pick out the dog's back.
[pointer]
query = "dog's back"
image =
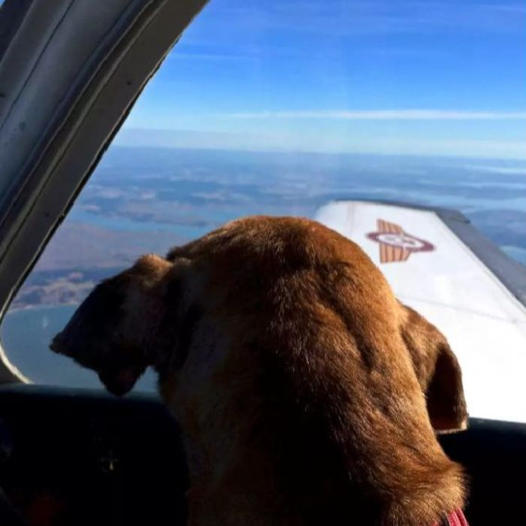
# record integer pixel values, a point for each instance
(314, 387)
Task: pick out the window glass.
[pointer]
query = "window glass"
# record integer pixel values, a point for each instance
(279, 108)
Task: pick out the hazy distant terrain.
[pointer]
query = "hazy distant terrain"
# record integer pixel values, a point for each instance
(146, 200)
(78, 256)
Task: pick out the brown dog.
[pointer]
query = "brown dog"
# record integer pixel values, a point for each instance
(299, 381)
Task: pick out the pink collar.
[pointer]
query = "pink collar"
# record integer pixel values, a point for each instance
(455, 518)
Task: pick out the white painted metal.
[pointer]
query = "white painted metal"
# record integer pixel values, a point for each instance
(484, 323)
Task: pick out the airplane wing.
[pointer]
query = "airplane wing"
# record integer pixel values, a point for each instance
(437, 263)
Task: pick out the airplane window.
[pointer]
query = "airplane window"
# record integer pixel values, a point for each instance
(279, 108)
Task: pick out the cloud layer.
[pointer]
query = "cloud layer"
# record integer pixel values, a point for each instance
(421, 114)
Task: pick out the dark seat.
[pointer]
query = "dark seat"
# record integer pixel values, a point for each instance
(87, 457)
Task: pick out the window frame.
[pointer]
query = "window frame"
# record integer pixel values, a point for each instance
(85, 113)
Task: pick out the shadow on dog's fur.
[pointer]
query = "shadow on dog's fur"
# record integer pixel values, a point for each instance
(306, 393)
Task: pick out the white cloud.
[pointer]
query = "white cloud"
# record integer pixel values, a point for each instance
(506, 170)
(326, 143)
(421, 114)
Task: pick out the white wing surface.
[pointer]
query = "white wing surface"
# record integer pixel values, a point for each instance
(439, 265)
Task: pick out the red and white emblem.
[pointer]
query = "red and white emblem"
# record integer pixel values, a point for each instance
(395, 244)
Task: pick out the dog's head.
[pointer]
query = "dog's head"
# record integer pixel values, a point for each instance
(437, 370)
(283, 326)
(110, 331)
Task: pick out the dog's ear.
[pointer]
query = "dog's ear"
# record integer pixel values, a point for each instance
(446, 404)
(438, 372)
(109, 331)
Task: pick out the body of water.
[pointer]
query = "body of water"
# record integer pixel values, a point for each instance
(26, 335)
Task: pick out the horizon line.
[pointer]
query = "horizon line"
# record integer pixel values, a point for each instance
(393, 114)
(131, 136)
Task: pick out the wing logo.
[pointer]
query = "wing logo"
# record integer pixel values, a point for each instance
(395, 243)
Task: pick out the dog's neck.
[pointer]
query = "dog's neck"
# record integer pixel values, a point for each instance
(307, 494)
(309, 483)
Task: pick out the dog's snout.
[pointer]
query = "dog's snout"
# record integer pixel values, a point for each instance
(57, 344)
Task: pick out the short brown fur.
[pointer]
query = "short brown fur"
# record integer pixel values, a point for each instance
(299, 381)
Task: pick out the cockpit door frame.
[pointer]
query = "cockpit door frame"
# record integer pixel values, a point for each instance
(69, 75)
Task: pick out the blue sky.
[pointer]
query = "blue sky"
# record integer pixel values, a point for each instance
(409, 77)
